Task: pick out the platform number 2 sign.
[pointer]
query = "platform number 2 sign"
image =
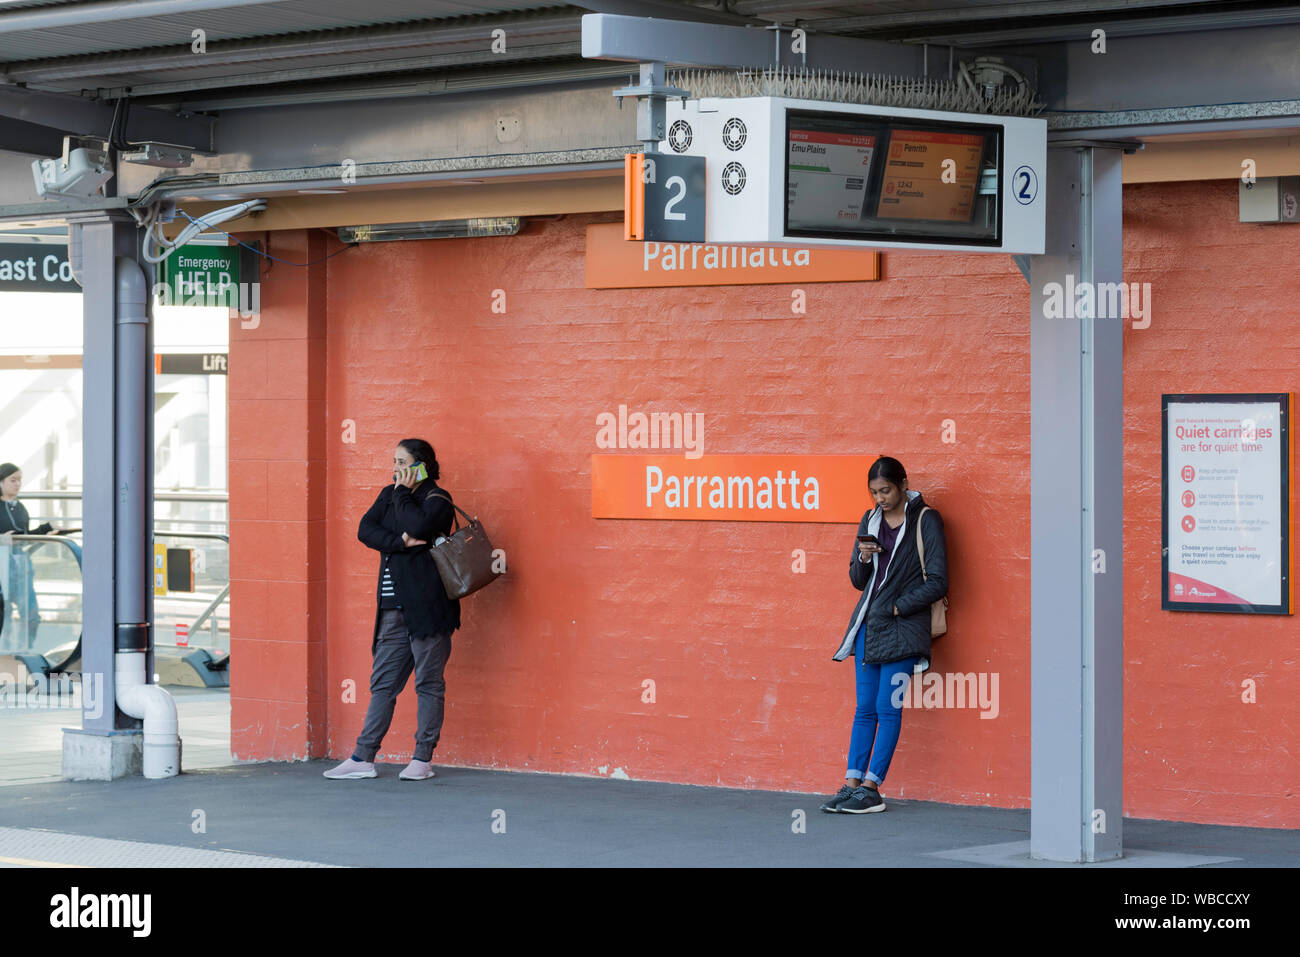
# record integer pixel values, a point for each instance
(665, 196)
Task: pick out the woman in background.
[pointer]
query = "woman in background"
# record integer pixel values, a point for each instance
(14, 520)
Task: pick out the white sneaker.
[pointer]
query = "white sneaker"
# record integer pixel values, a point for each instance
(417, 771)
(351, 770)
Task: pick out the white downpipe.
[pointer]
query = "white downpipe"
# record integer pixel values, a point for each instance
(152, 703)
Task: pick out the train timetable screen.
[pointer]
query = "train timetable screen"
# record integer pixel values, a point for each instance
(930, 175)
(828, 172)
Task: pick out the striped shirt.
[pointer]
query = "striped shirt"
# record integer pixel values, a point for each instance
(387, 593)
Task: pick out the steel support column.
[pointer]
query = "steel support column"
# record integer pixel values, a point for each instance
(102, 239)
(1077, 493)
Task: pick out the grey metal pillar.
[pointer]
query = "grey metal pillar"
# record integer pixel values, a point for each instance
(103, 237)
(1077, 489)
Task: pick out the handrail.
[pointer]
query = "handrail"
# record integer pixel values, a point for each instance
(58, 494)
(170, 534)
(44, 540)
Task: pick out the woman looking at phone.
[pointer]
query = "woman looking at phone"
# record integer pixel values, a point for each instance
(889, 631)
(415, 618)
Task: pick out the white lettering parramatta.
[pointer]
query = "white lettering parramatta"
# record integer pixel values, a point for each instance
(753, 488)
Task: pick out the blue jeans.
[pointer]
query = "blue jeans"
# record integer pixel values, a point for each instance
(877, 722)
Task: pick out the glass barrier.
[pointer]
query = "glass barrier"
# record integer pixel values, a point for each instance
(41, 579)
(201, 617)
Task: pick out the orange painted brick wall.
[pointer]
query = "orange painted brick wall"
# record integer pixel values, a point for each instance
(1224, 320)
(547, 672)
(277, 510)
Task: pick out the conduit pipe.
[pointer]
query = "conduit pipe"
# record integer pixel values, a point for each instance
(136, 696)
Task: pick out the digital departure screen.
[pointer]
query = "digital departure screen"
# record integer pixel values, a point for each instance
(931, 175)
(873, 176)
(828, 175)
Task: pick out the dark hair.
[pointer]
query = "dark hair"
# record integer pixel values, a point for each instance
(422, 451)
(891, 470)
(7, 470)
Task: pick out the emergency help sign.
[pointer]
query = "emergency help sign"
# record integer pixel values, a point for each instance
(199, 275)
(1227, 486)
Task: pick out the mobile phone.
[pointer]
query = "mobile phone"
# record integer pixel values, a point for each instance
(421, 473)
(869, 538)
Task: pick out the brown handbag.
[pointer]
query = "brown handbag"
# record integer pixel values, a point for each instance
(464, 558)
(939, 608)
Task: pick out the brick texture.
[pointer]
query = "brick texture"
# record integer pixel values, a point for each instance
(547, 672)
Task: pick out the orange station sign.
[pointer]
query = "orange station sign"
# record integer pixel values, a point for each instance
(616, 263)
(737, 488)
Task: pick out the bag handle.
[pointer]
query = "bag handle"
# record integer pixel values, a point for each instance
(920, 543)
(455, 520)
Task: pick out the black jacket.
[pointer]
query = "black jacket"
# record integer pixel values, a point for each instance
(893, 637)
(20, 524)
(423, 515)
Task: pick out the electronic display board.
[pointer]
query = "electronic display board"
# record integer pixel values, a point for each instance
(787, 171)
(872, 176)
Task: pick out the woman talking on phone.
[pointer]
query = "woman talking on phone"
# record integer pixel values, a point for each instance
(889, 631)
(415, 618)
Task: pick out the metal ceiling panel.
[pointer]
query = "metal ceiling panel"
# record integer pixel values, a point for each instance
(383, 49)
(27, 33)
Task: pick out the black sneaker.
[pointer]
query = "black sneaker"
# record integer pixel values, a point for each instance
(842, 795)
(864, 800)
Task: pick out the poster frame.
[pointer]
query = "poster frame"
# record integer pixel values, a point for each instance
(1286, 606)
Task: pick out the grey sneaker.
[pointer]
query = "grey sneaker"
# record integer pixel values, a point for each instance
(832, 806)
(351, 770)
(865, 800)
(417, 771)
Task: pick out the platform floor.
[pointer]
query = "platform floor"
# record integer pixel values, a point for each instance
(287, 814)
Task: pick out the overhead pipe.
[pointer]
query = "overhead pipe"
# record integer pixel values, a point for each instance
(136, 696)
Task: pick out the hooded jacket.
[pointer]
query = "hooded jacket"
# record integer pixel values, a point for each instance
(424, 515)
(893, 637)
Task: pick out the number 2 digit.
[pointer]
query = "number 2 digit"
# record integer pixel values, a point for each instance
(674, 200)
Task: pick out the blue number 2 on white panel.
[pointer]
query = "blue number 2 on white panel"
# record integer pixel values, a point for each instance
(1024, 185)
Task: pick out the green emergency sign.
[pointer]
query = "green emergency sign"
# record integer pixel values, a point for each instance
(199, 276)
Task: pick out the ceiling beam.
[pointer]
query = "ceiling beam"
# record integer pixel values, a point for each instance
(30, 139)
(82, 117)
(641, 39)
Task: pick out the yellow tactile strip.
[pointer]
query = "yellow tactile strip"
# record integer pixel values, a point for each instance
(29, 847)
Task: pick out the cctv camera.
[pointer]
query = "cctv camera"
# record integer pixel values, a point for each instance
(79, 174)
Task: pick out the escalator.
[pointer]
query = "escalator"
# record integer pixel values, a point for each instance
(40, 627)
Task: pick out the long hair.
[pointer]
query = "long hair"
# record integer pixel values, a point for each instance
(422, 451)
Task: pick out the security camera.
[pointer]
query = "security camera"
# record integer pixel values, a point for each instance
(79, 174)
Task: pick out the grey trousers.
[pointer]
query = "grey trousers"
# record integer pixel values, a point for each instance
(397, 652)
